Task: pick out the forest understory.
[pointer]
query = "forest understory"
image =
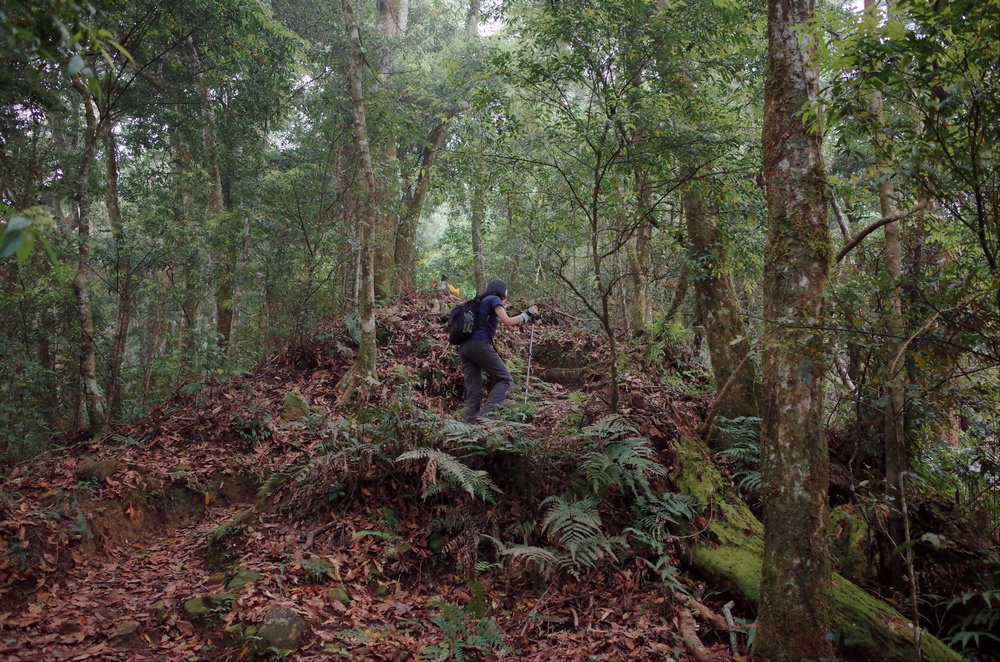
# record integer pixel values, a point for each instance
(184, 535)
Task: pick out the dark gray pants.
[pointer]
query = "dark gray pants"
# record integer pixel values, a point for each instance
(478, 356)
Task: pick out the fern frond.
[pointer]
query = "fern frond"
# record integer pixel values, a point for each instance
(543, 557)
(609, 428)
(475, 482)
(623, 464)
(654, 513)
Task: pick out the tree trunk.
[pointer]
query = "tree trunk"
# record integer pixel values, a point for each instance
(725, 332)
(731, 550)
(640, 257)
(894, 428)
(472, 17)
(795, 585)
(413, 203)
(123, 271)
(93, 399)
(154, 340)
(364, 364)
(477, 211)
(188, 285)
(392, 22)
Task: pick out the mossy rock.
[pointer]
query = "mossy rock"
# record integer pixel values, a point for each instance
(127, 630)
(339, 594)
(159, 609)
(294, 407)
(204, 607)
(282, 628)
(99, 470)
(242, 578)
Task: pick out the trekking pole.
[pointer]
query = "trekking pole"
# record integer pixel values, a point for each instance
(527, 380)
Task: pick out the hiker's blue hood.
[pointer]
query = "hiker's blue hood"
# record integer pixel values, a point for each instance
(497, 287)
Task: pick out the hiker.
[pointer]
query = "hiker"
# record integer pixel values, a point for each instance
(478, 353)
(444, 288)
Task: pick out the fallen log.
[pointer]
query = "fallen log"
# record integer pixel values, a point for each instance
(730, 552)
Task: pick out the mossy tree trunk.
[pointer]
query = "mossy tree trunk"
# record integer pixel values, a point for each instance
(730, 552)
(795, 583)
(93, 399)
(725, 331)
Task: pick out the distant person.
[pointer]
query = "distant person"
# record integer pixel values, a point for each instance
(444, 288)
(478, 353)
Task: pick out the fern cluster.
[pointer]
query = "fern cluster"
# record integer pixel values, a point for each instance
(619, 458)
(464, 630)
(573, 526)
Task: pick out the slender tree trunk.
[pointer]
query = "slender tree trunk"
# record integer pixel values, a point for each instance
(640, 257)
(728, 341)
(93, 399)
(894, 428)
(794, 613)
(364, 364)
(392, 22)
(186, 337)
(123, 271)
(477, 212)
(154, 340)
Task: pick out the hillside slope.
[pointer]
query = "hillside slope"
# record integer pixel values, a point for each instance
(252, 514)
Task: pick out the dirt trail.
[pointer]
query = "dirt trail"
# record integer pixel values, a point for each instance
(75, 617)
(196, 461)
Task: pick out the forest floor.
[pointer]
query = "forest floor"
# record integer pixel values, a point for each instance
(181, 536)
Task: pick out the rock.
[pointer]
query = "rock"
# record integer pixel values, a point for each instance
(127, 630)
(437, 542)
(204, 607)
(340, 595)
(294, 407)
(282, 628)
(242, 578)
(159, 609)
(98, 470)
(378, 589)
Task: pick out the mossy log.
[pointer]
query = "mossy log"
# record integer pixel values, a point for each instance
(730, 552)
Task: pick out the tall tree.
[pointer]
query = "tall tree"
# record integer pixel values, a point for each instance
(93, 398)
(364, 363)
(728, 341)
(796, 576)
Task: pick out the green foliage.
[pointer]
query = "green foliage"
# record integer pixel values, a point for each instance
(463, 631)
(744, 434)
(444, 470)
(978, 620)
(618, 459)
(654, 514)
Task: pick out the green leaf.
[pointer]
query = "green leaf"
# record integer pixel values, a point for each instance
(13, 235)
(76, 65)
(24, 250)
